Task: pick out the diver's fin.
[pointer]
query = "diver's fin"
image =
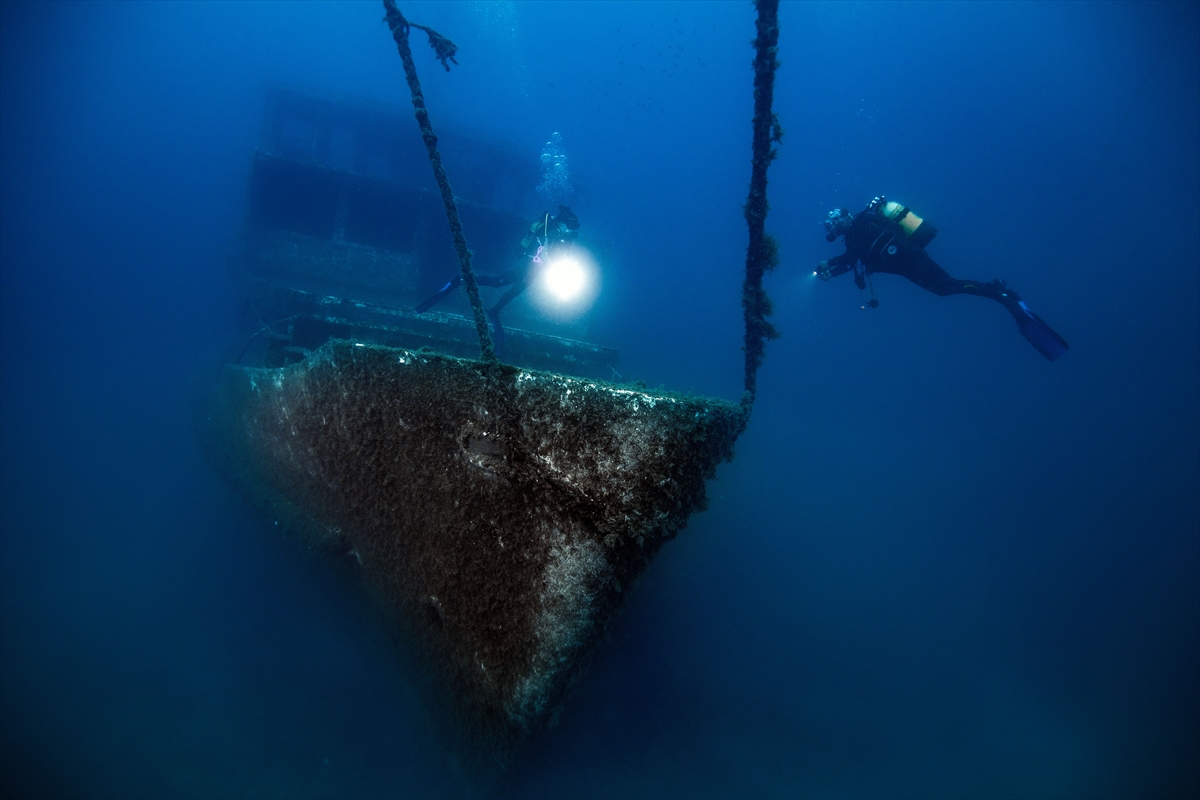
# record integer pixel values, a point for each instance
(1039, 334)
(450, 286)
(497, 331)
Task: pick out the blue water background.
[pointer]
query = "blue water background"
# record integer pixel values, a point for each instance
(938, 566)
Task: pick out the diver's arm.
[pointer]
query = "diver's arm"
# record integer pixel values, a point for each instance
(838, 265)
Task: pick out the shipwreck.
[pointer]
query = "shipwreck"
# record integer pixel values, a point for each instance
(498, 511)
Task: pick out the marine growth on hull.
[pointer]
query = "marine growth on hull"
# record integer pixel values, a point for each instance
(498, 514)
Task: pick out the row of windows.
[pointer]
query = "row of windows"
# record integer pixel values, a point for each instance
(389, 148)
(327, 204)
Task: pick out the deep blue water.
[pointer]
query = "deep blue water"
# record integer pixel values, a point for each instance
(939, 565)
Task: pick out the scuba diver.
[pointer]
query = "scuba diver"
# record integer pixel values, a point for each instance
(545, 231)
(889, 237)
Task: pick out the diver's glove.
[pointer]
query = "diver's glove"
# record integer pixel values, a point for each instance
(823, 271)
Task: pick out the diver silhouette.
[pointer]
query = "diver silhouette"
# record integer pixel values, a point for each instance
(543, 231)
(889, 237)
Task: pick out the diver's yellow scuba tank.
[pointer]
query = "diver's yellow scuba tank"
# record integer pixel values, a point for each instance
(539, 227)
(918, 232)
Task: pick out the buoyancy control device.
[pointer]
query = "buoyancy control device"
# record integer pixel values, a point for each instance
(917, 231)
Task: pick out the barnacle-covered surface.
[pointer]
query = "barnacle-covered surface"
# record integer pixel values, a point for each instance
(498, 513)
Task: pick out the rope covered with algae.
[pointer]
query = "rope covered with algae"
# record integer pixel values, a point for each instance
(445, 50)
(762, 253)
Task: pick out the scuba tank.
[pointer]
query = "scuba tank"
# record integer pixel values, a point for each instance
(538, 229)
(917, 231)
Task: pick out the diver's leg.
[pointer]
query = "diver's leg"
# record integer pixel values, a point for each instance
(925, 272)
(509, 276)
(508, 297)
(494, 314)
(928, 275)
(503, 279)
(996, 290)
(429, 302)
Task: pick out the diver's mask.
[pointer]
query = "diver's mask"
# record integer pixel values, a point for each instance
(837, 223)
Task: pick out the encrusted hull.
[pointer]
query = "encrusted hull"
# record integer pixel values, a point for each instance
(498, 513)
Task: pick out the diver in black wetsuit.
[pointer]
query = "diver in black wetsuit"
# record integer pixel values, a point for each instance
(887, 237)
(543, 232)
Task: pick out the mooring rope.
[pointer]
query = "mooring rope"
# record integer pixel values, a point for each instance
(762, 254)
(445, 50)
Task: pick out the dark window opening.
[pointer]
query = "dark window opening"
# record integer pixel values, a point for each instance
(291, 199)
(383, 217)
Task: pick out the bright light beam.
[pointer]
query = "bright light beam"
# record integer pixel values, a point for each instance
(565, 278)
(566, 285)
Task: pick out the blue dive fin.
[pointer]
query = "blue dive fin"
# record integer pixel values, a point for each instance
(450, 286)
(497, 331)
(1039, 334)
